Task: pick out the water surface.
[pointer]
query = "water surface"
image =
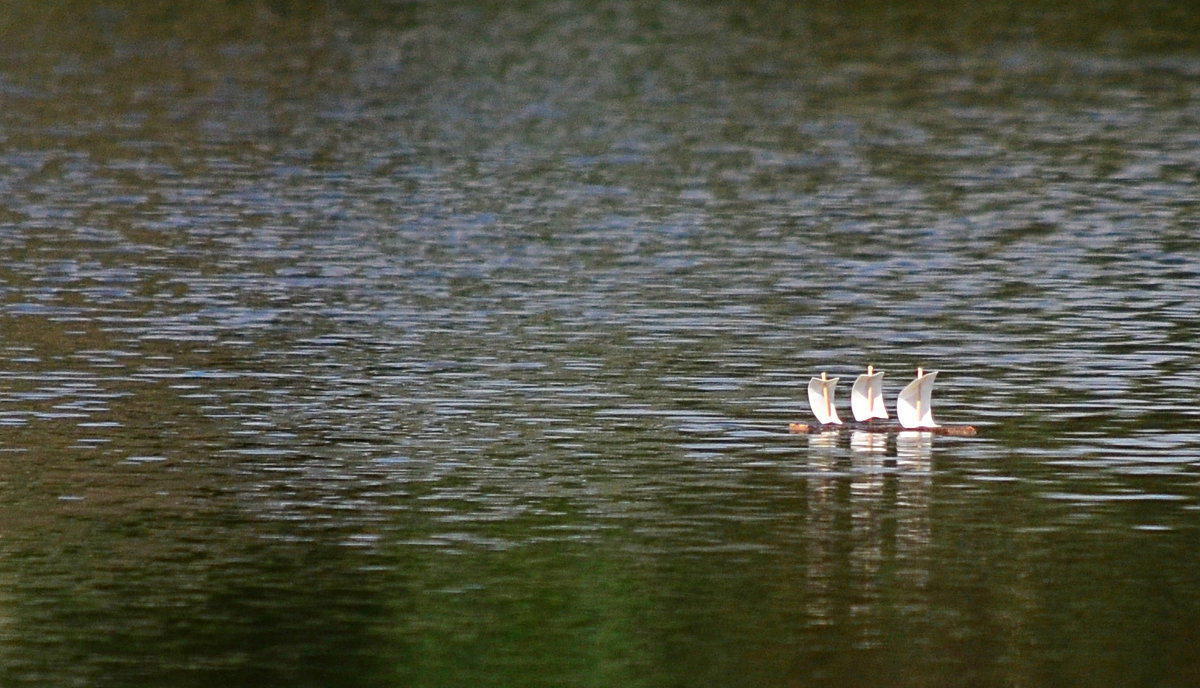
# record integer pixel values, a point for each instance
(453, 343)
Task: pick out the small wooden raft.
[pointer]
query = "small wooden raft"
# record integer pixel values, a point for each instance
(812, 429)
(913, 407)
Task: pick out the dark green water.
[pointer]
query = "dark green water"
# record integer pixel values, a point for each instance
(445, 344)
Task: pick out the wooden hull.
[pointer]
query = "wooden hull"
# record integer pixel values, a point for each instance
(814, 428)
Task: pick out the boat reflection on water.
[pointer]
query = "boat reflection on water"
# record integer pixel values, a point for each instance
(869, 518)
(824, 449)
(865, 442)
(913, 450)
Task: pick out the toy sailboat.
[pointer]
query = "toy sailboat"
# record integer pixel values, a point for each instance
(820, 398)
(866, 397)
(914, 406)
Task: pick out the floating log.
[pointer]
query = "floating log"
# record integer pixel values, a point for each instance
(810, 429)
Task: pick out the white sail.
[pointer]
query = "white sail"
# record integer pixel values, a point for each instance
(866, 396)
(913, 406)
(820, 398)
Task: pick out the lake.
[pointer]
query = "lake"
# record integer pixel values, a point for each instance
(456, 343)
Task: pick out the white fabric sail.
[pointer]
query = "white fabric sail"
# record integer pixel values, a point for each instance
(913, 406)
(866, 396)
(820, 398)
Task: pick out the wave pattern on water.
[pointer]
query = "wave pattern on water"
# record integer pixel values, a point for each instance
(505, 311)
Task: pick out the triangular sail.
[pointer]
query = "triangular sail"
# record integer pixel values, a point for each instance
(866, 396)
(913, 406)
(820, 398)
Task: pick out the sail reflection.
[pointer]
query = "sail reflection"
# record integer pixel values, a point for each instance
(913, 450)
(823, 450)
(868, 442)
(869, 529)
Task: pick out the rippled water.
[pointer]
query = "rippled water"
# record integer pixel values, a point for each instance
(457, 344)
